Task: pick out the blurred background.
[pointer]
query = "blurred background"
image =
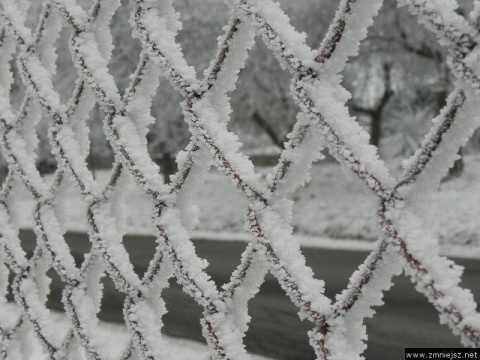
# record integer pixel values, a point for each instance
(399, 81)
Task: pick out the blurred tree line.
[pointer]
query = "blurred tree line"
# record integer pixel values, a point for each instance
(399, 81)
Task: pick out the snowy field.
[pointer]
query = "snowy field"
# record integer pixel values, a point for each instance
(115, 338)
(329, 207)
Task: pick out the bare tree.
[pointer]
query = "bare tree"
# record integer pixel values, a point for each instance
(375, 111)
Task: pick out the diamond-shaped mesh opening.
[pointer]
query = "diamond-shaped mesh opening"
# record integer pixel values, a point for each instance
(275, 329)
(137, 209)
(54, 298)
(168, 134)
(126, 49)
(32, 11)
(45, 161)
(28, 241)
(17, 90)
(198, 40)
(216, 215)
(79, 244)
(66, 74)
(222, 257)
(100, 157)
(334, 206)
(21, 218)
(336, 273)
(183, 317)
(455, 197)
(412, 323)
(141, 249)
(263, 110)
(112, 302)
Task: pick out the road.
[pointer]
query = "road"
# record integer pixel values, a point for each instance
(406, 320)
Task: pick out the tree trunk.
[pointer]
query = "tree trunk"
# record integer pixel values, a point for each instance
(375, 112)
(265, 126)
(168, 167)
(457, 168)
(376, 128)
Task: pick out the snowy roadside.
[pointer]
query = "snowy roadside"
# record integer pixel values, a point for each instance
(328, 207)
(115, 338)
(458, 251)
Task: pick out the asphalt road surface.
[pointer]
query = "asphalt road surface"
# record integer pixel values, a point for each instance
(406, 320)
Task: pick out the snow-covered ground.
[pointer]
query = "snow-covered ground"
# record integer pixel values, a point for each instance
(115, 338)
(330, 206)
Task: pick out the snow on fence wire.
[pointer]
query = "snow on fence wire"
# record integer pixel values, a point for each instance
(337, 327)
